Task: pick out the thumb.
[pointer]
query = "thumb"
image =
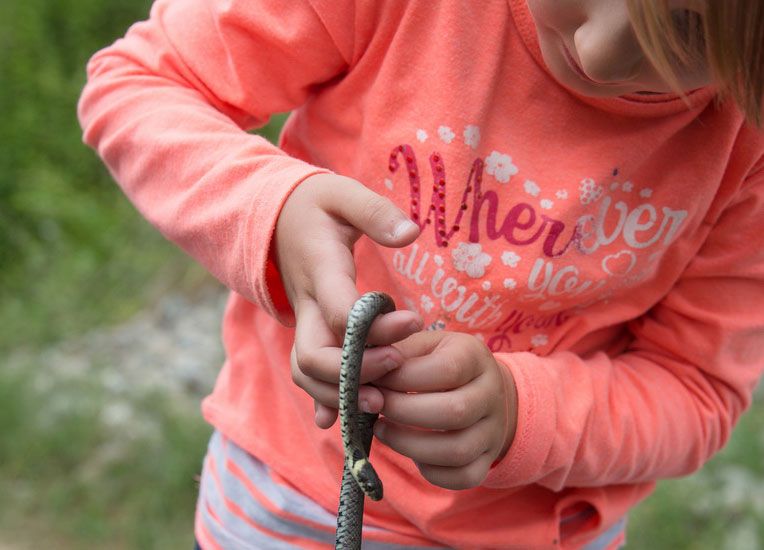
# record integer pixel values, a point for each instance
(372, 214)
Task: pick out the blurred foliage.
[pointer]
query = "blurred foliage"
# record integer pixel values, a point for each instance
(51, 187)
(73, 252)
(61, 217)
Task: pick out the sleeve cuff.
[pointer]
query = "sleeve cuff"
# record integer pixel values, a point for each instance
(264, 278)
(534, 433)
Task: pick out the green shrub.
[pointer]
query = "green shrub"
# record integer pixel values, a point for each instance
(73, 252)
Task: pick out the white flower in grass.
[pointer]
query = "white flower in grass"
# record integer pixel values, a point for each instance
(446, 134)
(472, 136)
(500, 166)
(470, 258)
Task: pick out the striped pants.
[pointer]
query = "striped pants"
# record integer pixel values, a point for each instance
(244, 505)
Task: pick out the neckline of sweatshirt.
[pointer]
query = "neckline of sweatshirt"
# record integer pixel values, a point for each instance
(638, 105)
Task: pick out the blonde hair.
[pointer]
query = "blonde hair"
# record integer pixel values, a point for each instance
(728, 34)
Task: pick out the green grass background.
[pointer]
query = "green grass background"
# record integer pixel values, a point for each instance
(75, 255)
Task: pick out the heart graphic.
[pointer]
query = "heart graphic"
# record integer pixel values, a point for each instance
(618, 265)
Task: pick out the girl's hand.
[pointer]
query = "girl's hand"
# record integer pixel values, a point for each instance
(317, 227)
(451, 407)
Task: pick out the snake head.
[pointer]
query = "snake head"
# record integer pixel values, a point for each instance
(369, 482)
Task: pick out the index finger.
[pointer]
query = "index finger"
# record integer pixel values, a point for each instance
(316, 347)
(336, 293)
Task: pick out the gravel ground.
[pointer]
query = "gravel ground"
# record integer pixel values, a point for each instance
(174, 348)
(172, 351)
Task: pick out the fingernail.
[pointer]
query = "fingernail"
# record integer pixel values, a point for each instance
(403, 227)
(363, 404)
(388, 363)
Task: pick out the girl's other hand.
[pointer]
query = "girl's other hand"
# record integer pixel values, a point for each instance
(317, 227)
(450, 407)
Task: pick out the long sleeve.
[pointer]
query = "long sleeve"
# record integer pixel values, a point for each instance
(168, 108)
(669, 401)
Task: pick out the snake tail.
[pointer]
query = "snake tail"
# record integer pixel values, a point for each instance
(350, 511)
(358, 478)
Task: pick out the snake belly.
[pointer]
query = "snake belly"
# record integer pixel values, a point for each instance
(358, 476)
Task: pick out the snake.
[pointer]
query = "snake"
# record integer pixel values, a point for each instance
(359, 479)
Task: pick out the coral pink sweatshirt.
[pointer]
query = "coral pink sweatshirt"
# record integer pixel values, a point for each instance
(608, 251)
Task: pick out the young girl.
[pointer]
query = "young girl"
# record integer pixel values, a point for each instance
(567, 189)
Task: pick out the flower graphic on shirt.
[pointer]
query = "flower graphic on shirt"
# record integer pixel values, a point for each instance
(438, 260)
(510, 283)
(446, 134)
(562, 194)
(628, 186)
(590, 191)
(472, 136)
(646, 193)
(427, 303)
(500, 166)
(540, 340)
(389, 183)
(421, 135)
(470, 258)
(486, 285)
(546, 204)
(531, 188)
(510, 258)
